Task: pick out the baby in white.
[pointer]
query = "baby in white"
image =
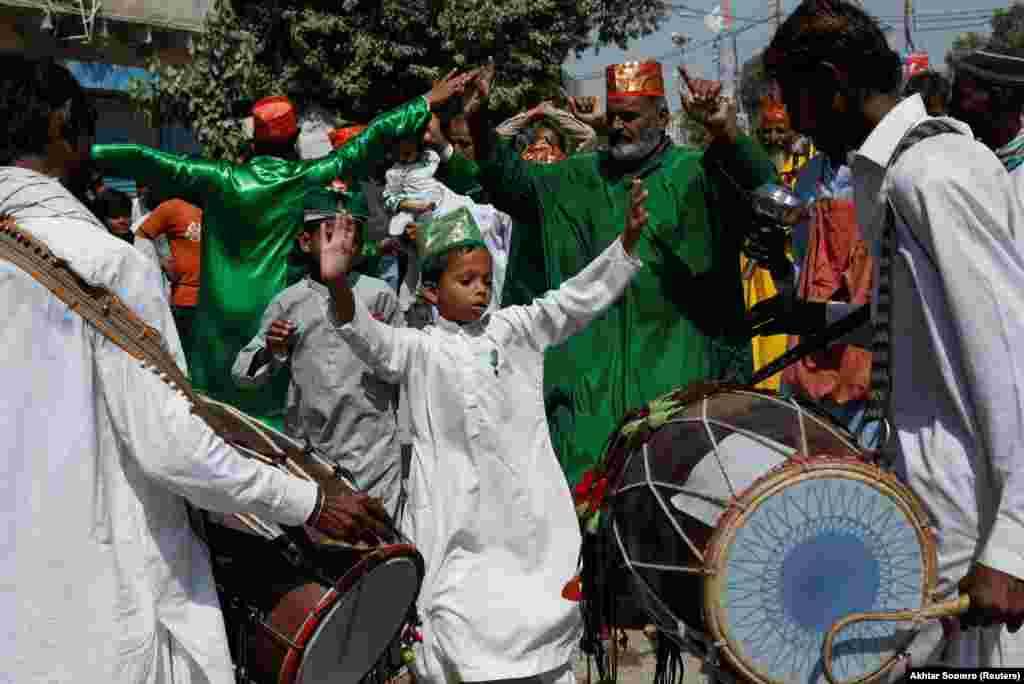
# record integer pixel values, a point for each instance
(413, 196)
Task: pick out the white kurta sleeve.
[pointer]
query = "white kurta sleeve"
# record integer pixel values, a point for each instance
(385, 349)
(583, 137)
(182, 453)
(961, 205)
(561, 313)
(244, 372)
(509, 128)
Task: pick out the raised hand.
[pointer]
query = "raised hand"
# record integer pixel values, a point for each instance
(483, 81)
(588, 110)
(704, 102)
(337, 249)
(448, 87)
(636, 217)
(279, 336)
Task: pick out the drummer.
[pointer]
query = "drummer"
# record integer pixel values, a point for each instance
(957, 289)
(103, 580)
(335, 402)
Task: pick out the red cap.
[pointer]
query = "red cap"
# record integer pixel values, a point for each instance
(340, 136)
(773, 111)
(274, 120)
(635, 79)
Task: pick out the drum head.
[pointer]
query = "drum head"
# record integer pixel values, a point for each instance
(373, 603)
(805, 546)
(675, 488)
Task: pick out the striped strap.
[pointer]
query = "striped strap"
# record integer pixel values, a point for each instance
(878, 408)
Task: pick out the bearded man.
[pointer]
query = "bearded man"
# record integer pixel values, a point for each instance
(945, 220)
(674, 324)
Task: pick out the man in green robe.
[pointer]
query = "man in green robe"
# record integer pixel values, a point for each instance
(680, 320)
(251, 215)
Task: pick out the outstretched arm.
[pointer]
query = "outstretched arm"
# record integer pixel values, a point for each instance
(353, 159)
(507, 179)
(561, 313)
(189, 179)
(385, 349)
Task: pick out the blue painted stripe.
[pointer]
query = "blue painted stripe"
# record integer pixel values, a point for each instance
(99, 76)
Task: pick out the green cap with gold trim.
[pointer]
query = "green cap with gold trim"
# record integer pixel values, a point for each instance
(453, 230)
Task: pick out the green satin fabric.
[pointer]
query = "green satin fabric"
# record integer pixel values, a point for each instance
(251, 215)
(676, 323)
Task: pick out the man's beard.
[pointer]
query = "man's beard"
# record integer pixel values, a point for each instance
(650, 138)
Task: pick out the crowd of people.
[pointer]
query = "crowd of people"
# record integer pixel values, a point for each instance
(457, 310)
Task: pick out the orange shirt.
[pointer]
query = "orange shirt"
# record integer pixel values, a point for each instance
(182, 223)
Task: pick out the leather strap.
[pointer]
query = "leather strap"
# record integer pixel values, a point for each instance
(879, 401)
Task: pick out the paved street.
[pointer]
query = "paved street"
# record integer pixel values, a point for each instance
(636, 664)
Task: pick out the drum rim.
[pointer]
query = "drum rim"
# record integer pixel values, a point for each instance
(291, 664)
(706, 393)
(792, 472)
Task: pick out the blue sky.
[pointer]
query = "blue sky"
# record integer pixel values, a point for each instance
(938, 23)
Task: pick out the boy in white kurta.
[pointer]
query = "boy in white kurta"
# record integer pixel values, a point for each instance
(489, 507)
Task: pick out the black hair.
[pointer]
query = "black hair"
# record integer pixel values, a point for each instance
(928, 84)
(1003, 97)
(434, 267)
(31, 90)
(839, 32)
(111, 204)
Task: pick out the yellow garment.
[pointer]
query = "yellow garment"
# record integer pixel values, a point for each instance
(760, 286)
(794, 164)
(766, 349)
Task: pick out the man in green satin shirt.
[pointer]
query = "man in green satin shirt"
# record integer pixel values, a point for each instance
(252, 213)
(680, 320)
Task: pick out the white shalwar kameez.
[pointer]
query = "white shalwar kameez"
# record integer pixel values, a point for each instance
(101, 577)
(957, 370)
(489, 506)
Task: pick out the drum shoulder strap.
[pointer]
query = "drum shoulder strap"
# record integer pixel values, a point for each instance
(99, 306)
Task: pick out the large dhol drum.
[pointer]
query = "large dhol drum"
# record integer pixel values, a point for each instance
(327, 624)
(752, 523)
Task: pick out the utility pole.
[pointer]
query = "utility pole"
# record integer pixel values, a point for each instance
(727, 52)
(775, 10)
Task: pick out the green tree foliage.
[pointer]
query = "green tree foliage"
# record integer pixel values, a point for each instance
(969, 40)
(1008, 28)
(1007, 34)
(360, 57)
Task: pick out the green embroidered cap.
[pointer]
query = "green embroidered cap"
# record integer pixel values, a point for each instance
(453, 230)
(325, 203)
